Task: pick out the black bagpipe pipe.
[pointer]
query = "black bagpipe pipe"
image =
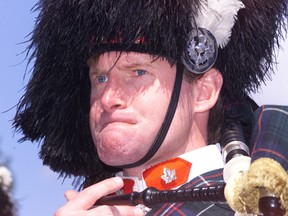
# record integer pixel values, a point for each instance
(233, 145)
(268, 205)
(151, 196)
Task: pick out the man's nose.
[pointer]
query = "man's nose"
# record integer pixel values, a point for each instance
(114, 96)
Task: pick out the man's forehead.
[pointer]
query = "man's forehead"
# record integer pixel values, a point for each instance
(123, 59)
(127, 56)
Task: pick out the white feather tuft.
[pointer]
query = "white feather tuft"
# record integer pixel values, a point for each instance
(5, 178)
(218, 16)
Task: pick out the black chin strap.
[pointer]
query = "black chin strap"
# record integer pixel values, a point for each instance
(167, 120)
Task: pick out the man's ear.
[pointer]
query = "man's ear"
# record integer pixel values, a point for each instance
(207, 89)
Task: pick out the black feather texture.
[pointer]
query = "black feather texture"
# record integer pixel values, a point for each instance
(249, 57)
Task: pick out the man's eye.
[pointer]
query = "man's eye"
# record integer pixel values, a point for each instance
(140, 72)
(102, 79)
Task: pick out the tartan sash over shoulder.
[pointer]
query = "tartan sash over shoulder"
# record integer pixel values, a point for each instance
(270, 134)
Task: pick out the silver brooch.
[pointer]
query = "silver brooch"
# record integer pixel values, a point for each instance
(201, 52)
(168, 175)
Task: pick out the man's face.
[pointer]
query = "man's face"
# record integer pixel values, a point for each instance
(130, 93)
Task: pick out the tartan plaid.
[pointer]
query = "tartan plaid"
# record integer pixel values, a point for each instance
(270, 134)
(196, 208)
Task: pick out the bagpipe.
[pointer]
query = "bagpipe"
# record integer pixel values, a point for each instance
(255, 183)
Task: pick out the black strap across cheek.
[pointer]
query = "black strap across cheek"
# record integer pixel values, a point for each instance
(166, 122)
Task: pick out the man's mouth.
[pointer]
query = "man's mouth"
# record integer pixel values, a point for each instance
(120, 119)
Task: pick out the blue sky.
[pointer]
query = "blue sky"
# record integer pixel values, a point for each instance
(37, 190)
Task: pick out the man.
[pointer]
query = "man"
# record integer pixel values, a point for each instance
(124, 86)
(108, 95)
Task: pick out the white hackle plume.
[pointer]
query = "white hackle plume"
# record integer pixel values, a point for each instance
(218, 16)
(5, 178)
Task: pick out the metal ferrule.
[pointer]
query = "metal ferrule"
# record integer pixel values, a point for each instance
(233, 149)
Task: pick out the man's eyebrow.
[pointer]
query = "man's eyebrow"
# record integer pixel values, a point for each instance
(95, 70)
(132, 65)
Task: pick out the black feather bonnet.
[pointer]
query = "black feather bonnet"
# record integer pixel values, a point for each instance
(55, 107)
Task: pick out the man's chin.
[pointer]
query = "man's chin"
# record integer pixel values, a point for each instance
(117, 163)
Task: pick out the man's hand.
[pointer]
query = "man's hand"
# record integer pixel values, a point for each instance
(80, 203)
